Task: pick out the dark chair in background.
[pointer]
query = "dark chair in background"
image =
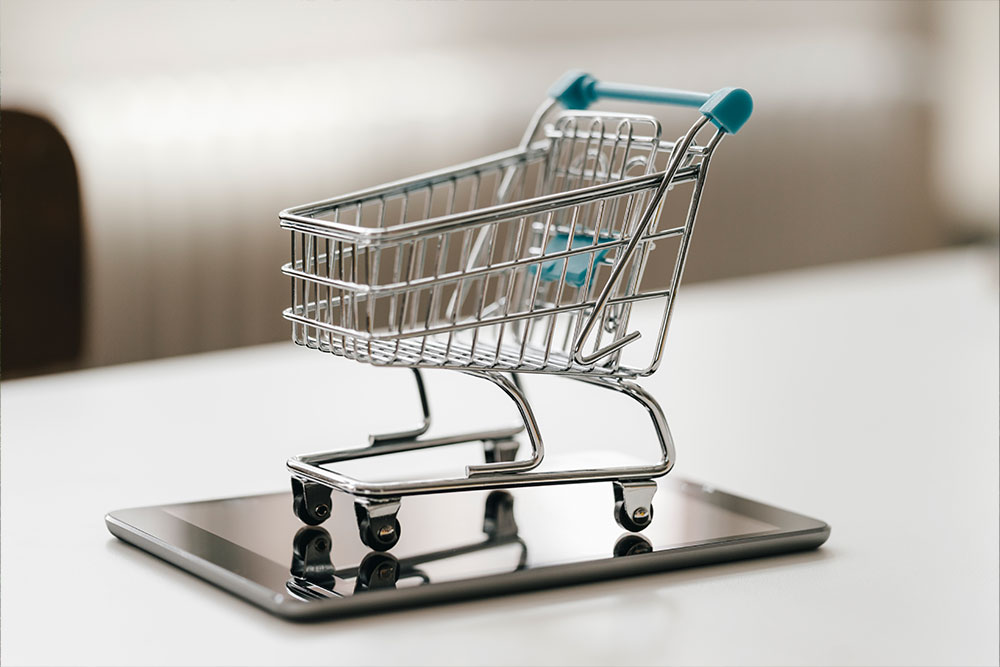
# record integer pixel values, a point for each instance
(41, 251)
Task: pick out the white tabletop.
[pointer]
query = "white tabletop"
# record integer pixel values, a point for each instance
(865, 395)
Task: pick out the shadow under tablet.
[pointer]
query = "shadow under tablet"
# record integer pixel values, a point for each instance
(453, 546)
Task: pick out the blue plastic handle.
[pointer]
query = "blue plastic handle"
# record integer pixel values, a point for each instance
(727, 108)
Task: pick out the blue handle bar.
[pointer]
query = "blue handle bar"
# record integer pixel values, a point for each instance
(727, 108)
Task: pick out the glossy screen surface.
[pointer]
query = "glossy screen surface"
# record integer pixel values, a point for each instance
(446, 537)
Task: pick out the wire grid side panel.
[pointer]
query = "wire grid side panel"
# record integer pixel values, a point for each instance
(592, 149)
(504, 311)
(513, 306)
(508, 295)
(330, 277)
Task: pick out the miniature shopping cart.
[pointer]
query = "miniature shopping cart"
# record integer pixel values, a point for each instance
(527, 261)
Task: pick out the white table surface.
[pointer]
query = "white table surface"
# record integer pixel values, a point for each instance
(865, 395)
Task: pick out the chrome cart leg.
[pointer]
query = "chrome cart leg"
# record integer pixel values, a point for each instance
(646, 400)
(513, 389)
(307, 466)
(505, 449)
(495, 475)
(385, 438)
(377, 522)
(634, 504)
(312, 484)
(311, 501)
(634, 497)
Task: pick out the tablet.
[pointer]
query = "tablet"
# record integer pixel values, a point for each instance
(453, 546)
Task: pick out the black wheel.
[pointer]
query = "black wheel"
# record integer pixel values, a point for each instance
(629, 522)
(311, 502)
(629, 545)
(379, 533)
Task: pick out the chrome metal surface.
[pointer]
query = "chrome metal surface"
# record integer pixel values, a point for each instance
(309, 467)
(380, 507)
(409, 434)
(527, 261)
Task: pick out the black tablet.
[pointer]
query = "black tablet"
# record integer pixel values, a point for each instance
(453, 546)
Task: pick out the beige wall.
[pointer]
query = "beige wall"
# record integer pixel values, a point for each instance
(194, 123)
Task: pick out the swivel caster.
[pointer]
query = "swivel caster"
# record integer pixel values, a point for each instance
(311, 502)
(634, 504)
(377, 523)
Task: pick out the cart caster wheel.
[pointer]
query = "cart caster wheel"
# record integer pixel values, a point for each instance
(635, 521)
(378, 525)
(634, 503)
(380, 535)
(630, 545)
(311, 502)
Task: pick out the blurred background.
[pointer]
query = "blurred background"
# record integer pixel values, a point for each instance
(148, 146)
